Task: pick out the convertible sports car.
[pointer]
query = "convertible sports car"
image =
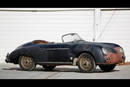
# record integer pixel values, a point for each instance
(72, 51)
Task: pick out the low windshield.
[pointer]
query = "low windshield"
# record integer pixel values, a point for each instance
(71, 37)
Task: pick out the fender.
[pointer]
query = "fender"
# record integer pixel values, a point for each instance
(30, 51)
(98, 55)
(96, 52)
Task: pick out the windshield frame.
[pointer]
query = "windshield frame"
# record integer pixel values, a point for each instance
(71, 35)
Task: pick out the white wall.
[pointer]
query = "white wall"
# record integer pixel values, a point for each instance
(17, 28)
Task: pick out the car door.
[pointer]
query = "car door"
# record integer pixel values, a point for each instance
(58, 53)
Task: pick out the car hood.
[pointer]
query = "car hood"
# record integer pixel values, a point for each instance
(102, 44)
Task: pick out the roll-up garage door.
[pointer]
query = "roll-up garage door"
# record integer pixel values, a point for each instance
(17, 28)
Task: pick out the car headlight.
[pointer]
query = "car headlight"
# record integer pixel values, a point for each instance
(121, 50)
(105, 51)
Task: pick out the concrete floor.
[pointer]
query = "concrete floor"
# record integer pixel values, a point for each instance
(11, 71)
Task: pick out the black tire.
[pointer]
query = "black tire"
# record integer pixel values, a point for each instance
(48, 67)
(27, 63)
(86, 63)
(107, 68)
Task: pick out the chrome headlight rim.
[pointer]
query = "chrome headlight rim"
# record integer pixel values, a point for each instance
(105, 51)
(121, 50)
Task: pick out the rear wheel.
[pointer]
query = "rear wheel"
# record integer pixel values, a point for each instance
(86, 63)
(107, 68)
(48, 67)
(26, 63)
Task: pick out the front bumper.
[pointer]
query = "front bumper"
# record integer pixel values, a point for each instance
(114, 58)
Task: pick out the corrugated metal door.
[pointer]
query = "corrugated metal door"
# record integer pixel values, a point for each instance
(17, 28)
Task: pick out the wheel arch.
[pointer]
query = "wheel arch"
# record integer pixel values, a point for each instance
(16, 60)
(31, 52)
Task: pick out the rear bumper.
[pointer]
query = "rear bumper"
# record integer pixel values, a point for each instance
(7, 60)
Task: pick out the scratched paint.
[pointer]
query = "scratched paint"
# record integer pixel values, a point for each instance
(113, 58)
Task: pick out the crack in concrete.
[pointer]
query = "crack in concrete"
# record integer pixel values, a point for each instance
(51, 75)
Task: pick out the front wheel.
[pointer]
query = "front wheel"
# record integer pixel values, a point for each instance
(86, 63)
(26, 63)
(107, 68)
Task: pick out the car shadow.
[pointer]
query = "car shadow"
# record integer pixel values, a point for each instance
(16, 69)
(75, 70)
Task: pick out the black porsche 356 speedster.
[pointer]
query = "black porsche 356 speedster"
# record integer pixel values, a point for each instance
(72, 51)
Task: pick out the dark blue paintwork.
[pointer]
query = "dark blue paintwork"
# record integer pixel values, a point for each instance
(59, 52)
